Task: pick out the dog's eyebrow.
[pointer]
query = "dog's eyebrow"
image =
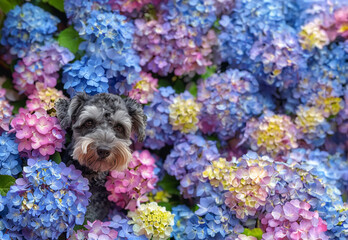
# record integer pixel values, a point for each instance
(122, 117)
(89, 112)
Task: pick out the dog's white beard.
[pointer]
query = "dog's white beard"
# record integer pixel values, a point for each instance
(85, 152)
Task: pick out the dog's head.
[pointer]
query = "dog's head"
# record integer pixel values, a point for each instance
(102, 126)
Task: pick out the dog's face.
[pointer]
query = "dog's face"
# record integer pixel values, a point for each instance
(102, 126)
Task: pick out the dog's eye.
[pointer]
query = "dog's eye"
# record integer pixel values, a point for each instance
(119, 128)
(89, 123)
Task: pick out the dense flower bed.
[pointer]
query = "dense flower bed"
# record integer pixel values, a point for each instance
(247, 111)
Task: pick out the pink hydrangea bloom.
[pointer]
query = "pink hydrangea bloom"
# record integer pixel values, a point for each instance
(41, 65)
(341, 19)
(5, 112)
(129, 188)
(143, 90)
(293, 221)
(37, 133)
(130, 5)
(96, 230)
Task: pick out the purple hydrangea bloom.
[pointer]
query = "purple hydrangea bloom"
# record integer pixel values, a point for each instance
(49, 200)
(186, 161)
(119, 222)
(10, 162)
(158, 129)
(27, 25)
(5, 111)
(229, 99)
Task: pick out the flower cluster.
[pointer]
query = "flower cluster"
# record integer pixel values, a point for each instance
(293, 220)
(5, 111)
(44, 97)
(187, 160)
(211, 221)
(41, 65)
(168, 44)
(229, 100)
(95, 230)
(183, 113)
(49, 200)
(128, 6)
(37, 134)
(153, 221)
(109, 56)
(119, 222)
(249, 182)
(143, 90)
(10, 163)
(158, 130)
(272, 134)
(26, 26)
(313, 125)
(129, 188)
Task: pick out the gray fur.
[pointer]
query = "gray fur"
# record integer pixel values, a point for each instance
(107, 112)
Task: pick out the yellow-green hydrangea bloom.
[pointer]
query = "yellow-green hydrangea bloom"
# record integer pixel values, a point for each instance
(154, 221)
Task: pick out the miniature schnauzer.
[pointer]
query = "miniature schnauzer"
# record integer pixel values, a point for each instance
(101, 126)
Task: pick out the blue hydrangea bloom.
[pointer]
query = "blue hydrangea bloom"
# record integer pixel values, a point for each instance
(27, 25)
(86, 75)
(49, 200)
(229, 100)
(186, 161)
(10, 162)
(210, 221)
(109, 36)
(119, 222)
(159, 131)
(199, 14)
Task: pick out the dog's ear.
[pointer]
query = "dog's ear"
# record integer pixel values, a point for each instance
(135, 110)
(67, 109)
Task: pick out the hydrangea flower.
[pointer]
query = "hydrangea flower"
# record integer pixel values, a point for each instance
(248, 182)
(10, 163)
(40, 65)
(168, 45)
(119, 222)
(187, 160)
(211, 221)
(96, 230)
(312, 123)
(281, 56)
(153, 221)
(25, 26)
(183, 113)
(313, 35)
(129, 6)
(341, 21)
(272, 134)
(229, 100)
(109, 36)
(49, 200)
(44, 97)
(293, 220)
(143, 90)
(158, 129)
(5, 111)
(85, 75)
(37, 134)
(129, 188)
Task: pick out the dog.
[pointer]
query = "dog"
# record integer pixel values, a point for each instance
(101, 128)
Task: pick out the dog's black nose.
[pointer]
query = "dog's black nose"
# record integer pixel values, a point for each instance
(103, 152)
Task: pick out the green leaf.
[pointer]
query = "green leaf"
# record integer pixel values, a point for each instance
(179, 86)
(169, 184)
(7, 5)
(256, 232)
(18, 104)
(6, 182)
(210, 71)
(163, 83)
(70, 39)
(167, 205)
(193, 89)
(56, 158)
(58, 4)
